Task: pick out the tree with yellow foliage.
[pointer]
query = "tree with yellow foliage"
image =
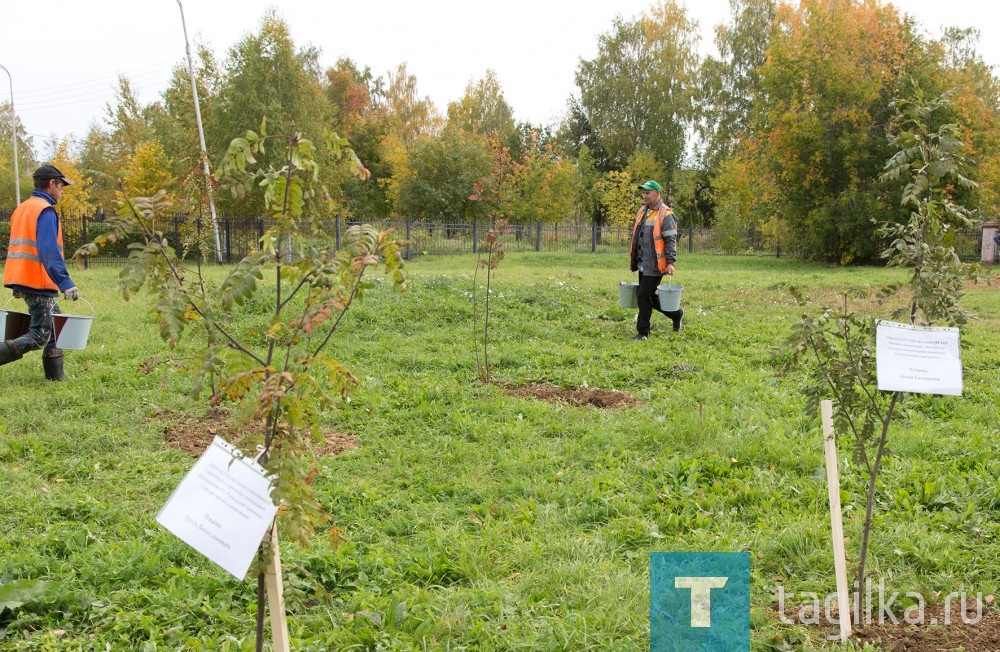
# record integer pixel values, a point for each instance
(76, 199)
(617, 191)
(396, 156)
(147, 171)
(544, 184)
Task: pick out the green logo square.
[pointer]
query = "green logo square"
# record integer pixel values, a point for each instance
(699, 602)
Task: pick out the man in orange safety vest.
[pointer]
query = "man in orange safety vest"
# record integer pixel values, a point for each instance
(36, 271)
(653, 254)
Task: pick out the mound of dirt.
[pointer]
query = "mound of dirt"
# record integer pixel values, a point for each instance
(976, 630)
(935, 636)
(192, 435)
(335, 443)
(605, 399)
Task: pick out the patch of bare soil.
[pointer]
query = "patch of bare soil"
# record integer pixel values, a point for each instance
(335, 443)
(605, 399)
(975, 630)
(969, 634)
(151, 364)
(192, 435)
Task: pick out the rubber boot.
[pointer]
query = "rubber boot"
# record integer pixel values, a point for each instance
(676, 316)
(52, 362)
(8, 353)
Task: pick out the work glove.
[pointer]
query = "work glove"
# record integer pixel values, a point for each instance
(72, 294)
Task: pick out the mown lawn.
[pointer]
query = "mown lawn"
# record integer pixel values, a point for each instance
(479, 521)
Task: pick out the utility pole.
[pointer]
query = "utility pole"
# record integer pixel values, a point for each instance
(13, 136)
(201, 139)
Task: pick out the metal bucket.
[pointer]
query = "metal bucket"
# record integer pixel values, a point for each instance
(628, 294)
(72, 331)
(670, 297)
(13, 324)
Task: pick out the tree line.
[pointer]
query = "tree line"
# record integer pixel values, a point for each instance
(785, 130)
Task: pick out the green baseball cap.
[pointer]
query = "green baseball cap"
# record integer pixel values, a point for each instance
(651, 185)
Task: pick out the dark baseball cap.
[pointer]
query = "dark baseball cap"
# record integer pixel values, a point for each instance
(47, 172)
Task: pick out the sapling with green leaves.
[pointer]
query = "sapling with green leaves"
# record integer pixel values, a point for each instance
(837, 348)
(285, 371)
(493, 246)
(493, 195)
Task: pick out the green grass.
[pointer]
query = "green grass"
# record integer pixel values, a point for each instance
(478, 521)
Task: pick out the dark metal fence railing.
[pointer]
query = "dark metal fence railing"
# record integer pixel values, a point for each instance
(240, 235)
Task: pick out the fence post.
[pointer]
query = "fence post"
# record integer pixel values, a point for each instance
(83, 232)
(177, 235)
(593, 236)
(229, 241)
(408, 252)
(987, 245)
(691, 238)
(260, 232)
(475, 235)
(337, 229)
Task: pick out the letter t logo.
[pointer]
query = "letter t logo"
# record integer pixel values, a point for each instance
(701, 596)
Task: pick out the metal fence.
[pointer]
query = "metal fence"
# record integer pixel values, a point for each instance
(240, 236)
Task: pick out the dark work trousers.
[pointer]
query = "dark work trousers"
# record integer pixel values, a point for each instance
(648, 302)
(40, 333)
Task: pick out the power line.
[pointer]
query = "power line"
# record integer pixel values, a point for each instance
(80, 98)
(53, 97)
(155, 70)
(92, 92)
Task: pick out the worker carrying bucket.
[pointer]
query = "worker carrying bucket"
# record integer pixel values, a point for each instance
(36, 271)
(653, 254)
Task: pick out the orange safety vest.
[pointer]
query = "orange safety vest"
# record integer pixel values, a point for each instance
(659, 247)
(24, 266)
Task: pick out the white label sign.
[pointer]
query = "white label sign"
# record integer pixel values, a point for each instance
(920, 359)
(222, 508)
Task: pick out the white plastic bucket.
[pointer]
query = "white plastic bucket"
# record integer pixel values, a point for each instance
(628, 294)
(72, 331)
(670, 296)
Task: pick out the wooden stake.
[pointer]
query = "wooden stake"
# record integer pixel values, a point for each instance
(275, 596)
(836, 520)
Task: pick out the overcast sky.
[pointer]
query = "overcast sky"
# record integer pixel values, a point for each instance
(64, 56)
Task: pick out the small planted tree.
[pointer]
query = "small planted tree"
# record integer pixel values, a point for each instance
(493, 194)
(285, 370)
(837, 349)
(492, 246)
